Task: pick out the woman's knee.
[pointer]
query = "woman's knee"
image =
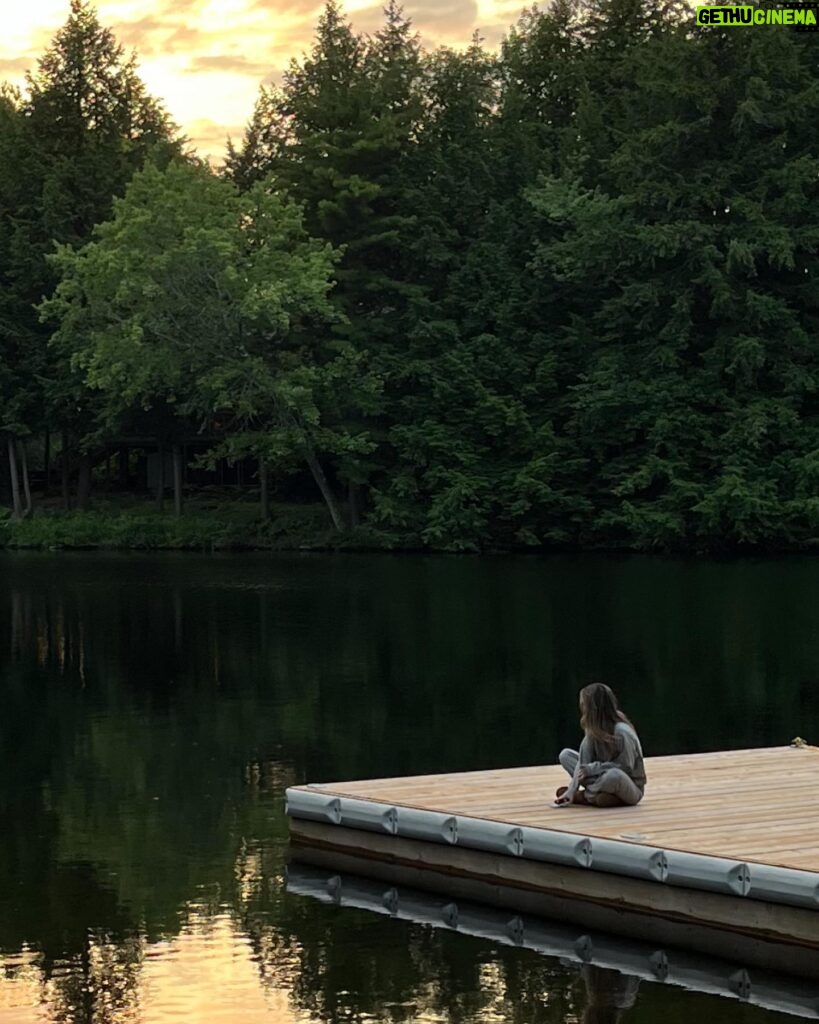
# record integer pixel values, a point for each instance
(616, 783)
(568, 758)
(604, 800)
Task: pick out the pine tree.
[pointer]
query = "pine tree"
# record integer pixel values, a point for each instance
(264, 143)
(85, 125)
(478, 459)
(692, 261)
(337, 138)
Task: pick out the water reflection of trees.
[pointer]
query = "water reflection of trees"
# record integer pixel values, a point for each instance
(156, 709)
(343, 965)
(339, 652)
(74, 944)
(99, 985)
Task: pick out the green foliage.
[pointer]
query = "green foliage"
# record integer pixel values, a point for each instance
(68, 145)
(186, 292)
(208, 301)
(338, 138)
(693, 245)
(206, 526)
(561, 296)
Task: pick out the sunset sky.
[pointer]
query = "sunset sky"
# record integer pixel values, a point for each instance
(206, 58)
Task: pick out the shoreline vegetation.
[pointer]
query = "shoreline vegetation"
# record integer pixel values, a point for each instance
(209, 523)
(222, 522)
(563, 295)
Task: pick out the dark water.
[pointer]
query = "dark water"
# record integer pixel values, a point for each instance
(155, 708)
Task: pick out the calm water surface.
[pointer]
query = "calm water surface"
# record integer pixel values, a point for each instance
(155, 708)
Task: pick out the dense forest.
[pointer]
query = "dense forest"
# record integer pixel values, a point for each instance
(561, 295)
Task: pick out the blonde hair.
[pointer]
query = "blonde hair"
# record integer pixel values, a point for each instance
(600, 713)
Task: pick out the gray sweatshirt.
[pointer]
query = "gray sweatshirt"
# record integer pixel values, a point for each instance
(629, 757)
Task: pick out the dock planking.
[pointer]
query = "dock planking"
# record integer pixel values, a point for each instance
(756, 805)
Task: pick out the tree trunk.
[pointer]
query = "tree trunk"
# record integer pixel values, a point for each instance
(26, 481)
(47, 464)
(326, 491)
(17, 508)
(84, 481)
(177, 479)
(160, 478)
(264, 487)
(66, 471)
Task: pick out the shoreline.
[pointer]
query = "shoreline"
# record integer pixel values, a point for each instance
(234, 526)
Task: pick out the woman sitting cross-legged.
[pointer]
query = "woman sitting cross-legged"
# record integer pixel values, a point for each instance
(608, 769)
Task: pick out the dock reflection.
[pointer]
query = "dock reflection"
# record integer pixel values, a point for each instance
(610, 968)
(608, 994)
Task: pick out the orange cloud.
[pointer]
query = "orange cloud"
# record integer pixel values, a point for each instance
(444, 20)
(13, 67)
(168, 36)
(232, 64)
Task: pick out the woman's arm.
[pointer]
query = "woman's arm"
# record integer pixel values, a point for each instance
(579, 775)
(627, 757)
(580, 772)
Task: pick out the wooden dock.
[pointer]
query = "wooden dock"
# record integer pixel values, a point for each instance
(752, 814)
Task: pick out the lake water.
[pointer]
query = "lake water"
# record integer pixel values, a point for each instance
(155, 708)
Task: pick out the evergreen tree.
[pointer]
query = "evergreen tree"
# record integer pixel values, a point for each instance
(17, 389)
(479, 458)
(542, 78)
(85, 125)
(337, 138)
(695, 258)
(575, 287)
(264, 144)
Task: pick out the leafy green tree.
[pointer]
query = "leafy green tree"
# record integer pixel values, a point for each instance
(210, 302)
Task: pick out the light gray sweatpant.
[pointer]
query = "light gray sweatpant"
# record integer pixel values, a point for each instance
(611, 789)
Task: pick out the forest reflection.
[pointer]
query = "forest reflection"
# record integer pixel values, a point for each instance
(210, 972)
(156, 708)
